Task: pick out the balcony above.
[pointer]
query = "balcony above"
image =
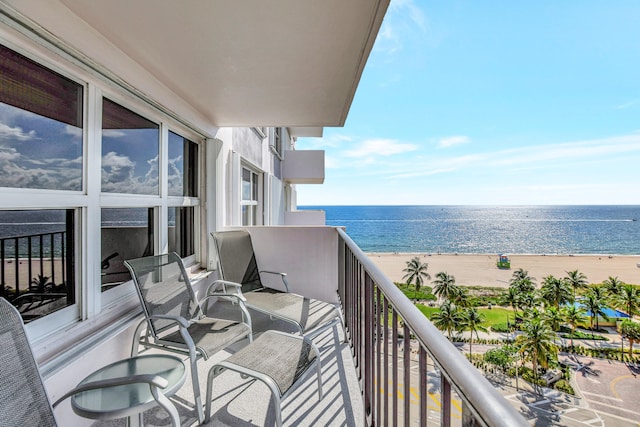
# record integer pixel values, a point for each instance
(303, 166)
(237, 63)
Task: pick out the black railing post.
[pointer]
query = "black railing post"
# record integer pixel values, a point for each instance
(378, 384)
(406, 365)
(30, 275)
(368, 344)
(424, 392)
(2, 272)
(394, 364)
(41, 254)
(69, 256)
(445, 395)
(16, 258)
(53, 264)
(385, 384)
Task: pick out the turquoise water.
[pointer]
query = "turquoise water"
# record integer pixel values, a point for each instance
(491, 229)
(610, 312)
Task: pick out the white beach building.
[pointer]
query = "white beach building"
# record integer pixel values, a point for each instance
(138, 127)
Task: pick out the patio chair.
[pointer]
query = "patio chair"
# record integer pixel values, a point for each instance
(279, 360)
(174, 318)
(238, 268)
(23, 397)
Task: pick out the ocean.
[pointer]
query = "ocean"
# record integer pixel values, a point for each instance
(490, 229)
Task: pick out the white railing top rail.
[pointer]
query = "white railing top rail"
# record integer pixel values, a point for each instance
(478, 393)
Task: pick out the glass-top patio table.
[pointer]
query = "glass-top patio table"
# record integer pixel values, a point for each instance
(144, 376)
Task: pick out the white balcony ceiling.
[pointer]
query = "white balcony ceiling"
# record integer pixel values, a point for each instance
(246, 62)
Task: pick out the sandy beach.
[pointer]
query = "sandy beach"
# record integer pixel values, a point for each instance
(481, 270)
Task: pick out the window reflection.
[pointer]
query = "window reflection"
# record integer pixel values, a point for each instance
(183, 166)
(40, 126)
(127, 233)
(181, 231)
(130, 147)
(37, 255)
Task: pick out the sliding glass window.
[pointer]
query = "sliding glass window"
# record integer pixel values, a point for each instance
(41, 151)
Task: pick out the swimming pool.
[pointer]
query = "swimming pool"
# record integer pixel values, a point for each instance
(611, 313)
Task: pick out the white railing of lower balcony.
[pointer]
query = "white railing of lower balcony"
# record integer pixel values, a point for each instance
(382, 350)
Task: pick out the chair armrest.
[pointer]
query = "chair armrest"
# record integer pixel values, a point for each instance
(283, 277)
(181, 321)
(152, 380)
(218, 282)
(239, 297)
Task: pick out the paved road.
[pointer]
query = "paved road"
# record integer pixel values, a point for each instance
(611, 388)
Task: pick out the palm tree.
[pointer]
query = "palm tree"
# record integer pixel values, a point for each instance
(447, 318)
(511, 297)
(40, 283)
(613, 284)
(416, 270)
(631, 331)
(460, 297)
(444, 286)
(536, 344)
(522, 281)
(555, 291)
(573, 315)
(554, 318)
(596, 306)
(629, 299)
(576, 280)
(473, 322)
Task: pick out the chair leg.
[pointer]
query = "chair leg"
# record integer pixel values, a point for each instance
(277, 403)
(165, 403)
(136, 338)
(196, 389)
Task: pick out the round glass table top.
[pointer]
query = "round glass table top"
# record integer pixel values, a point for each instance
(112, 402)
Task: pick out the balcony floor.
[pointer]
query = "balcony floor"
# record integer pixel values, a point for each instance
(244, 402)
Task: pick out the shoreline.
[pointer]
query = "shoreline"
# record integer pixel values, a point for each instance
(481, 269)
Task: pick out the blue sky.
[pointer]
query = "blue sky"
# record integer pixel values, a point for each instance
(492, 103)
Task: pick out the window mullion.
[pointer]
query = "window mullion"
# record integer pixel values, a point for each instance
(91, 220)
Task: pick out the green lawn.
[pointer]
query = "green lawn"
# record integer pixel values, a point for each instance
(493, 316)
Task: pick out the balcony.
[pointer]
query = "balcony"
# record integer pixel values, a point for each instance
(394, 369)
(303, 166)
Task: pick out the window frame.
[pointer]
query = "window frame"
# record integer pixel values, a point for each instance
(256, 202)
(276, 141)
(90, 304)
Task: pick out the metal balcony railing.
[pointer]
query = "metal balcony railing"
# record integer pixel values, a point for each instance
(35, 271)
(396, 387)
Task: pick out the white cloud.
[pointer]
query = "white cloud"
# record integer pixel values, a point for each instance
(399, 26)
(379, 147)
(627, 104)
(73, 131)
(549, 156)
(113, 133)
(453, 140)
(15, 133)
(408, 7)
(119, 175)
(113, 160)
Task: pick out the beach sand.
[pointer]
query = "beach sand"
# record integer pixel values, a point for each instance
(481, 270)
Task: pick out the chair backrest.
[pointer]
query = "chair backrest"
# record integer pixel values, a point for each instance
(164, 289)
(23, 398)
(236, 259)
